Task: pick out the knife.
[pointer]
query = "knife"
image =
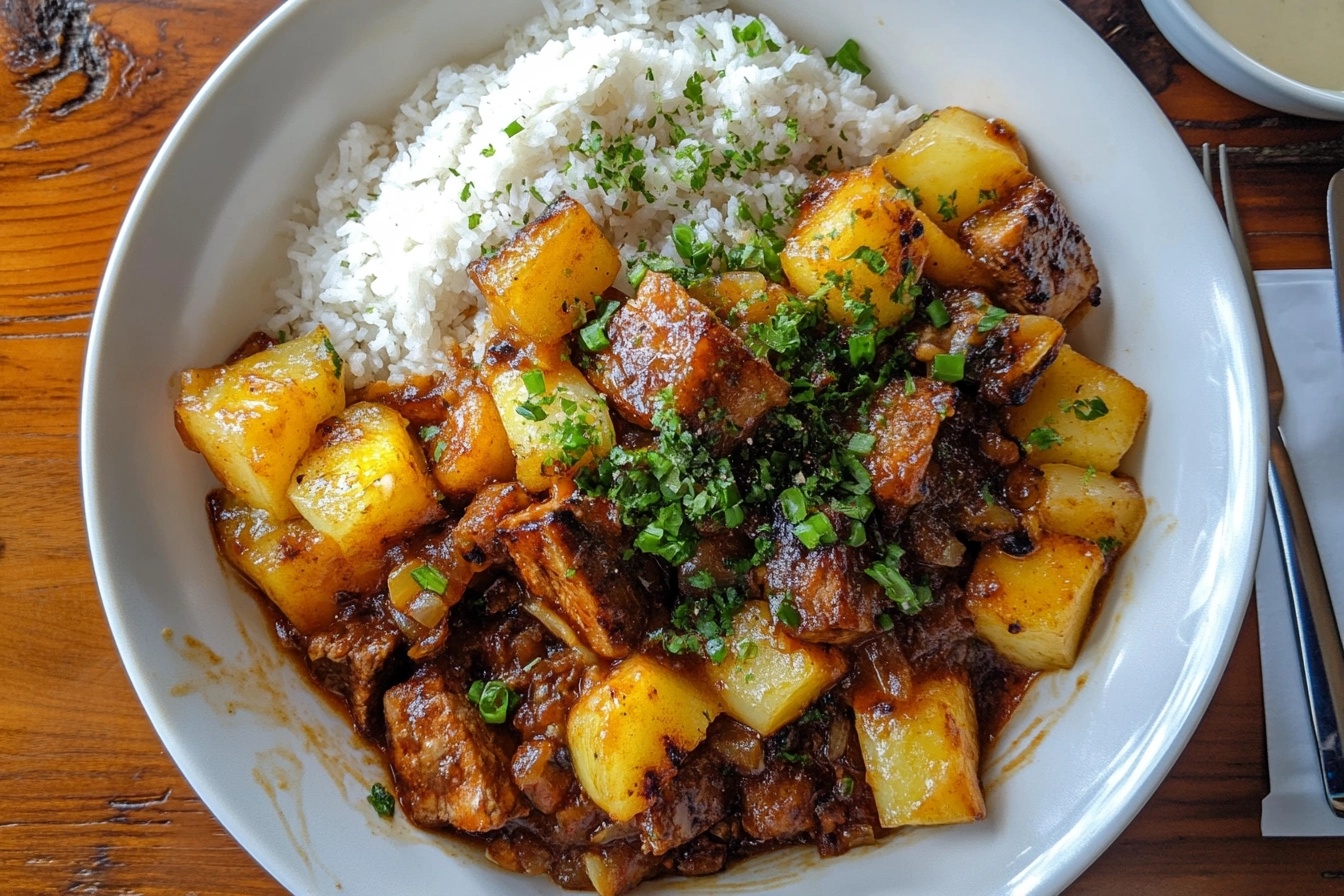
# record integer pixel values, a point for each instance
(1334, 218)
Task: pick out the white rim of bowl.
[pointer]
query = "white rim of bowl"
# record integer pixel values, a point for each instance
(1300, 92)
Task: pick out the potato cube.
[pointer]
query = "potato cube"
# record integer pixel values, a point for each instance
(364, 482)
(949, 264)
(1033, 608)
(770, 678)
(471, 448)
(627, 733)
(293, 564)
(556, 423)
(856, 237)
(544, 280)
(741, 298)
(1062, 423)
(1090, 504)
(252, 419)
(957, 163)
(921, 755)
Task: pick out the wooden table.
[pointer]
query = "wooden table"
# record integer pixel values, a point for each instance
(89, 801)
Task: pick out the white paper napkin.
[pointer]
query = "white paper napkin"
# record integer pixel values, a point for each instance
(1301, 309)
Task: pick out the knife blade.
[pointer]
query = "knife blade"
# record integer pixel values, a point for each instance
(1334, 219)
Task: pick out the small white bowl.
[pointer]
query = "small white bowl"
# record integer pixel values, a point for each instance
(1224, 62)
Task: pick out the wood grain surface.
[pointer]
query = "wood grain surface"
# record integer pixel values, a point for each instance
(89, 801)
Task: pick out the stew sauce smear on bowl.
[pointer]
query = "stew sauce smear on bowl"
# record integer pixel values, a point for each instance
(763, 553)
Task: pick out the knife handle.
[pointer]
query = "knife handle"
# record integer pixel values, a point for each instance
(1318, 635)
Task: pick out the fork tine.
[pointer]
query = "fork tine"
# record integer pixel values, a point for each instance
(1208, 168)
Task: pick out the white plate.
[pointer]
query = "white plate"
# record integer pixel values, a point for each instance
(187, 281)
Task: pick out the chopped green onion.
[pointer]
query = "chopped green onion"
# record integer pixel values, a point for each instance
(513, 128)
(862, 443)
(949, 368)
(815, 530)
(794, 505)
(430, 578)
(938, 315)
(535, 381)
(529, 410)
(787, 613)
(493, 699)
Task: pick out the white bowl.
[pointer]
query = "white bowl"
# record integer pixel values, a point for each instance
(1222, 61)
(187, 280)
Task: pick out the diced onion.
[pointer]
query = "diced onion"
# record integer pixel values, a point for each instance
(402, 588)
(558, 626)
(427, 608)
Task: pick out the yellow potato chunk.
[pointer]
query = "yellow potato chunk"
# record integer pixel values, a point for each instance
(855, 237)
(1032, 609)
(921, 755)
(770, 678)
(556, 422)
(948, 263)
(252, 419)
(364, 481)
(741, 298)
(543, 281)
(1090, 504)
(957, 163)
(1059, 408)
(626, 732)
(293, 564)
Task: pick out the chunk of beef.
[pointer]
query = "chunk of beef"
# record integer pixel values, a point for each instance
(836, 601)
(357, 658)
(477, 536)
(693, 801)
(665, 340)
(619, 867)
(778, 804)
(1036, 252)
(905, 423)
(568, 554)
(451, 767)
(702, 856)
(542, 772)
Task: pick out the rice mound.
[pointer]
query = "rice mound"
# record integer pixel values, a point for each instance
(626, 106)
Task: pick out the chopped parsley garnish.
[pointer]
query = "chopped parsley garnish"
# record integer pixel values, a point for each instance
(754, 38)
(694, 91)
(870, 257)
(488, 151)
(513, 129)
(862, 443)
(530, 410)
(704, 624)
(336, 361)
(382, 801)
(991, 319)
(494, 700)
(815, 530)
(1108, 544)
(847, 58)
(535, 381)
(429, 578)
(429, 432)
(353, 215)
(947, 206)
(1086, 409)
(787, 613)
(1043, 438)
(989, 196)
(473, 219)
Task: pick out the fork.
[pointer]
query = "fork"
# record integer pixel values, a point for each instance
(1318, 635)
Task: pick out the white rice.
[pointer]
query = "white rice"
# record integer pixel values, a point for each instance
(380, 254)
